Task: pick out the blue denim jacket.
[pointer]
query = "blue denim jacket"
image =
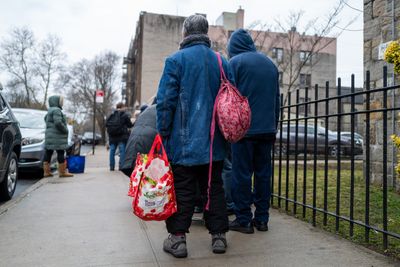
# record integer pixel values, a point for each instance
(185, 100)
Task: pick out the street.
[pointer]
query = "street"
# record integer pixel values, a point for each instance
(26, 179)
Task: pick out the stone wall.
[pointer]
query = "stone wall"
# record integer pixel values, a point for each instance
(378, 30)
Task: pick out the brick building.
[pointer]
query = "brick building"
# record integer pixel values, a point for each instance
(159, 35)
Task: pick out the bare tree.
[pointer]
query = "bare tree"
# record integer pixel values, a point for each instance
(105, 76)
(87, 76)
(32, 67)
(48, 63)
(316, 35)
(16, 59)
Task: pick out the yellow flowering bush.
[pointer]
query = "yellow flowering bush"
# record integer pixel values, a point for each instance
(396, 142)
(392, 55)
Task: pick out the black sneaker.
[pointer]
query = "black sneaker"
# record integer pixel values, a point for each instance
(261, 226)
(218, 243)
(245, 229)
(176, 245)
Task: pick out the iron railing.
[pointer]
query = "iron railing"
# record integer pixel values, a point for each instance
(329, 209)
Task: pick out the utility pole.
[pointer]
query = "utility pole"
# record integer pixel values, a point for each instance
(94, 122)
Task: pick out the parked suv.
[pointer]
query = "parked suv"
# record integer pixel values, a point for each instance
(345, 141)
(10, 150)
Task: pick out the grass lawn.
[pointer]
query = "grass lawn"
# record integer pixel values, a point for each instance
(375, 204)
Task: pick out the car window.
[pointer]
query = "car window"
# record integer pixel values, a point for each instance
(30, 120)
(293, 129)
(2, 104)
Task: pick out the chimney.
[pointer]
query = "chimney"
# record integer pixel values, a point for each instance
(239, 18)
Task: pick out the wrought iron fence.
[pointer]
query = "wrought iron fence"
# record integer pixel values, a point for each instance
(322, 182)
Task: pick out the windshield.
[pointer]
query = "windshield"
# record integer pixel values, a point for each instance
(30, 120)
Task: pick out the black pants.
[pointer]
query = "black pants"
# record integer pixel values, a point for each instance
(49, 153)
(185, 181)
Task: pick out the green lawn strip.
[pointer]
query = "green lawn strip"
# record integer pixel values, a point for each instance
(375, 204)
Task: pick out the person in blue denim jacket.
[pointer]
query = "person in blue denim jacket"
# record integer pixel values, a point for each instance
(185, 100)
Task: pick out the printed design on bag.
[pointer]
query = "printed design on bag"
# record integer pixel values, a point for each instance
(152, 185)
(233, 113)
(156, 169)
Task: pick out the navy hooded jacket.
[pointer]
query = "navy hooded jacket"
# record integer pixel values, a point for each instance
(257, 78)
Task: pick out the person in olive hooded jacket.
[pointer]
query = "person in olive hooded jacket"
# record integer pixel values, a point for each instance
(56, 137)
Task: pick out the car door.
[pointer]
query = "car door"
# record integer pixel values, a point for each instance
(3, 125)
(5, 142)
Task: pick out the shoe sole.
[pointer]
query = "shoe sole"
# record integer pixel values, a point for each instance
(243, 232)
(219, 251)
(176, 255)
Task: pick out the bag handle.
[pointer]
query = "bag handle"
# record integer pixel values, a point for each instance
(221, 69)
(155, 148)
(212, 129)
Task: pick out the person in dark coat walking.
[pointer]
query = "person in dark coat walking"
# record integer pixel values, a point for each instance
(141, 138)
(256, 78)
(185, 100)
(117, 128)
(56, 137)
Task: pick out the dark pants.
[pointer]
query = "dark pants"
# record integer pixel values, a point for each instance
(49, 153)
(186, 179)
(227, 179)
(251, 156)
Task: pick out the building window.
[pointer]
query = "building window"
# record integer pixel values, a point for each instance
(302, 108)
(280, 77)
(305, 56)
(277, 54)
(305, 80)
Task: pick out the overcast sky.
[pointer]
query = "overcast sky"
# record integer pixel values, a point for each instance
(88, 27)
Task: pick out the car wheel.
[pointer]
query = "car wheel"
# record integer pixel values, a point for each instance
(333, 151)
(278, 148)
(7, 187)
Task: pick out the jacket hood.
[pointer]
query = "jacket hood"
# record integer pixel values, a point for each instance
(240, 42)
(56, 101)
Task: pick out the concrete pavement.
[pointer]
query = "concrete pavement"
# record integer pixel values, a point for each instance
(87, 221)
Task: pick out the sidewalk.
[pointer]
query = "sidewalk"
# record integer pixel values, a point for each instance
(87, 221)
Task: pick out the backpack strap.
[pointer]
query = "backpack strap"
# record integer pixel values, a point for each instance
(221, 69)
(212, 130)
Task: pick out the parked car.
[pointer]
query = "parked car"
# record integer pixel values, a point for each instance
(74, 142)
(357, 137)
(87, 138)
(332, 137)
(33, 128)
(10, 150)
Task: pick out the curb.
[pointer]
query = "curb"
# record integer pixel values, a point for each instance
(13, 202)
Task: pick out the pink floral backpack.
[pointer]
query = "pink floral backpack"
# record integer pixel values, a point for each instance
(232, 113)
(231, 109)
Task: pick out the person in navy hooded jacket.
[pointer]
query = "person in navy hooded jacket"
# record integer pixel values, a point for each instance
(185, 100)
(256, 77)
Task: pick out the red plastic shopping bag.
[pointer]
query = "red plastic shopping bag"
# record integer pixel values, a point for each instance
(152, 185)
